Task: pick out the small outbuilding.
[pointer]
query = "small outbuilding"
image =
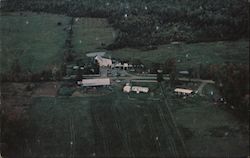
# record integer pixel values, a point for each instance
(128, 88)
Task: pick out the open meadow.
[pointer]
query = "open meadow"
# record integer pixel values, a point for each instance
(35, 40)
(115, 125)
(94, 34)
(190, 55)
(110, 125)
(91, 34)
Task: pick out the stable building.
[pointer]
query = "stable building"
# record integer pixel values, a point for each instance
(94, 82)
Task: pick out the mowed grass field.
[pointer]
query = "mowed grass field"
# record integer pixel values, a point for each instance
(34, 39)
(90, 33)
(191, 55)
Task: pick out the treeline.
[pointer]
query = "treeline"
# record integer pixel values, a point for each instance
(232, 80)
(146, 23)
(17, 74)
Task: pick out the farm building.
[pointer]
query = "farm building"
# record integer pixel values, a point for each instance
(123, 66)
(136, 89)
(103, 62)
(127, 88)
(94, 82)
(181, 91)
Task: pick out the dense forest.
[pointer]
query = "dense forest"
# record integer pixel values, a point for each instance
(146, 23)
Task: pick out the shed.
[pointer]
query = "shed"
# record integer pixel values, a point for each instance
(127, 89)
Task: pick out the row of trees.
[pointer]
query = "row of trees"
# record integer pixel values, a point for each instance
(233, 83)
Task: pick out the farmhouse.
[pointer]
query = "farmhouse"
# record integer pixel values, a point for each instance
(103, 62)
(138, 89)
(181, 91)
(94, 82)
(123, 66)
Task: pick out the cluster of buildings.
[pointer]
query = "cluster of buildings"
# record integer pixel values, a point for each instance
(108, 63)
(105, 62)
(105, 81)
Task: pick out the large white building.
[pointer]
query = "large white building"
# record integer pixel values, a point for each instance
(103, 62)
(181, 91)
(94, 82)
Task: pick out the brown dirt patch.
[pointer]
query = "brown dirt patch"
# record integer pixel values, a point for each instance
(77, 94)
(47, 89)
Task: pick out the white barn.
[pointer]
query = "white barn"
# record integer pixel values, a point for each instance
(94, 82)
(103, 62)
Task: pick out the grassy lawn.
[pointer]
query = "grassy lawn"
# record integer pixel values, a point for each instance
(90, 33)
(34, 39)
(191, 55)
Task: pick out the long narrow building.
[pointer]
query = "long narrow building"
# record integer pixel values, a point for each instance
(94, 82)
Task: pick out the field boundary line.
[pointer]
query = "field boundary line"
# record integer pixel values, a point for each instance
(174, 123)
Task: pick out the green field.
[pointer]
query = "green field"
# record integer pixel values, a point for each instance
(110, 125)
(191, 55)
(90, 33)
(37, 42)
(114, 125)
(34, 39)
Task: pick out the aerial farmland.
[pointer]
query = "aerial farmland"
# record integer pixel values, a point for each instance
(91, 79)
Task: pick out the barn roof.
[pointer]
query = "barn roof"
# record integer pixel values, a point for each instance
(95, 82)
(103, 61)
(181, 90)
